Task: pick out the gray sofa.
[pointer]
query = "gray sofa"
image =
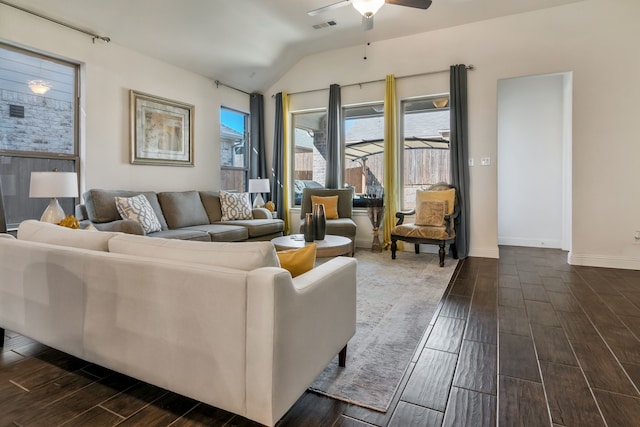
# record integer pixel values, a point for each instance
(186, 215)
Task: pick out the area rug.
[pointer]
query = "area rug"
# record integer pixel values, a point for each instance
(396, 300)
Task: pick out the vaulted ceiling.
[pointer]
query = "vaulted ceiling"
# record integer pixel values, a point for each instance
(249, 44)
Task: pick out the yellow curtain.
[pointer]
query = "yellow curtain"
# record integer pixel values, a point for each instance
(287, 161)
(391, 166)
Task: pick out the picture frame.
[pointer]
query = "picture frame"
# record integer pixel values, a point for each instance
(161, 131)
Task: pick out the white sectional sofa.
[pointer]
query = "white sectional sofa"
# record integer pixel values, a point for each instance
(218, 322)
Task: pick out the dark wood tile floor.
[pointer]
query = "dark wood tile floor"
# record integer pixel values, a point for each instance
(526, 340)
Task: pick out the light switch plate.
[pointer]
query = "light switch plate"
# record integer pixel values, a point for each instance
(471, 161)
(485, 161)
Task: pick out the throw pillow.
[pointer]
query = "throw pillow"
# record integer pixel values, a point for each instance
(235, 206)
(448, 195)
(139, 209)
(330, 205)
(431, 213)
(298, 261)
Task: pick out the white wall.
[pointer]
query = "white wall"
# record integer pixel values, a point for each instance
(109, 71)
(594, 39)
(530, 139)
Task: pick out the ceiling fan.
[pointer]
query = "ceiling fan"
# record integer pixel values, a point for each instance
(368, 8)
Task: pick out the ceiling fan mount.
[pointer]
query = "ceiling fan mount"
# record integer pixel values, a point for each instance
(368, 8)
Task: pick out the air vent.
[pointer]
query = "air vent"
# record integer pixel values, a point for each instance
(325, 24)
(16, 111)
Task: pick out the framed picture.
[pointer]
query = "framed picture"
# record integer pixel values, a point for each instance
(161, 131)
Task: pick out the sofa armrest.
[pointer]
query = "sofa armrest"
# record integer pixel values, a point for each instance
(261, 213)
(295, 327)
(128, 226)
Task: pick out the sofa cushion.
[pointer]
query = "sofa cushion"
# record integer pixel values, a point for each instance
(241, 256)
(298, 261)
(235, 206)
(101, 204)
(139, 209)
(221, 232)
(182, 209)
(258, 227)
(211, 202)
(44, 232)
(182, 234)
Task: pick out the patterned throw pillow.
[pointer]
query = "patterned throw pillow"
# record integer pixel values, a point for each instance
(235, 206)
(139, 209)
(431, 212)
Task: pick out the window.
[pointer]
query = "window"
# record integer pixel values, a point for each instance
(310, 151)
(234, 150)
(364, 149)
(426, 145)
(38, 129)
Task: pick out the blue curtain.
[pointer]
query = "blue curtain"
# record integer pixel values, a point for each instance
(334, 147)
(459, 154)
(278, 163)
(257, 159)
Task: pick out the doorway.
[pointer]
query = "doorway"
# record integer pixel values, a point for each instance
(534, 161)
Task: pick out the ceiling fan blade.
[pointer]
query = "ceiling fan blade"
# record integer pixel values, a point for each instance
(418, 4)
(367, 23)
(323, 9)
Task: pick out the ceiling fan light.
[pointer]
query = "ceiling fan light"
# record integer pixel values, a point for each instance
(39, 87)
(367, 7)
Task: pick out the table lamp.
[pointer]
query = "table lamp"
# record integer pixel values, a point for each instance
(259, 186)
(53, 184)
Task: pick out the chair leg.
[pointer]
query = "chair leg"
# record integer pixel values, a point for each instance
(441, 253)
(394, 247)
(342, 357)
(454, 250)
(417, 248)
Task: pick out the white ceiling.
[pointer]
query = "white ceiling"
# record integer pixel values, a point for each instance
(249, 44)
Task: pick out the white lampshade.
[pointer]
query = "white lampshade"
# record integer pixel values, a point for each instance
(367, 8)
(259, 186)
(53, 185)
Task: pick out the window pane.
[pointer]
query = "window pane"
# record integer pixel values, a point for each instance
(37, 103)
(364, 149)
(234, 140)
(426, 145)
(310, 151)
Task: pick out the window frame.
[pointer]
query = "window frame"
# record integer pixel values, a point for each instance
(359, 202)
(29, 208)
(247, 148)
(292, 164)
(401, 147)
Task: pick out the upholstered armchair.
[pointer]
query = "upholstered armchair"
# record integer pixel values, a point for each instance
(436, 211)
(344, 225)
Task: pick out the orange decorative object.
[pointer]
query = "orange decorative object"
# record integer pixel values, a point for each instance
(70, 221)
(270, 206)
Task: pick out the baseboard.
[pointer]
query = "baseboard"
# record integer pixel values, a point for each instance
(530, 243)
(625, 263)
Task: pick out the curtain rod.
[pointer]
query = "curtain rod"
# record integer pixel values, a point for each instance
(218, 83)
(55, 21)
(469, 67)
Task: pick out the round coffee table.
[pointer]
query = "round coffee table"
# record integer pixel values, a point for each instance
(329, 247)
